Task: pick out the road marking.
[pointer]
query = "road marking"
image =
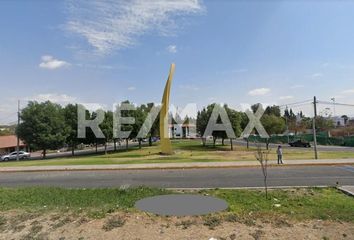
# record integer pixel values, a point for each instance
(347, 168)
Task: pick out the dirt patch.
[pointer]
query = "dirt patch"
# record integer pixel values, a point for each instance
(143, 226)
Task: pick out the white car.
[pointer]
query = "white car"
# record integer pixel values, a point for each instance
(13, 156)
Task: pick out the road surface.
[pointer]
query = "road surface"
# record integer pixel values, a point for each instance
(187, 178)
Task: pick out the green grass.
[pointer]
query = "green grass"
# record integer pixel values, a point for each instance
(185, 151)
(96, 201)
(297, 204)
(312, 203)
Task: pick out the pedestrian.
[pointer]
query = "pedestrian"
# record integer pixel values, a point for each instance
(280, 155)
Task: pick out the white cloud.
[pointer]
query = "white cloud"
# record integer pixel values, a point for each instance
(172, 48)
(53, 97)
(114, 25)
(132, 88)
(316, 75)
(286, 97)
(245, 106)
(94, 106)
(259, 92)
(349, 91)
(49, 62)
(297, 86)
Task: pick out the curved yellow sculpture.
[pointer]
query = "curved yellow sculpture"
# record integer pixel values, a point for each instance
(166, 147)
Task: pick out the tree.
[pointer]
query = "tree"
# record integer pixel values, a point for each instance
(235, 119)
(292, 121)
(289, 114)
(202, 122)
(324, 123)
(204, 115)
(107, 128)
(70, 118)
(140, 115)
(273, 124)
(7, 130)
(262, 158)
(305, 123)
(90, 137)
(273, 110)
(43, 126)
(255, 107)
(127, 127)
(271, 120)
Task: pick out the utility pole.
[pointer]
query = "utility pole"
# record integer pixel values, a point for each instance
(334, 106)
(314, 126)
(18, 139)
(287, 126)
(334, 111)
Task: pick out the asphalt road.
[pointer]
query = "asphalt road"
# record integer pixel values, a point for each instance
(188, 178)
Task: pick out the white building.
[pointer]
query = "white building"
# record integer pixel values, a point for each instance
(338, 121)
(182, 131)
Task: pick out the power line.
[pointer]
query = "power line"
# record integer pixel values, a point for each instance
(296, 106)
(295, 103)
(337, 104)
(11, 123)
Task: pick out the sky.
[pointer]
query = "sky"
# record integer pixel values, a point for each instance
(234, 52)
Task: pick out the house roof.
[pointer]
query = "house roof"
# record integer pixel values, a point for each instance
(10, 141)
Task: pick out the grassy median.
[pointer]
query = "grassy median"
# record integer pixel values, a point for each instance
(185, 151)
(296, 204)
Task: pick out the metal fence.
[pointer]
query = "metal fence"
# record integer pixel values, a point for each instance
(322, 139)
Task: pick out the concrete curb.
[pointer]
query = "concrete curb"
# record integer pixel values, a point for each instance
(248, 188)
(349, 190)
(166, 166)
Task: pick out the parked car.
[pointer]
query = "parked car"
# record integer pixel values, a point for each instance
(13, 156)
(300, 143)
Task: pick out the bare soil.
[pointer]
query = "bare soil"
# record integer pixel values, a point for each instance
(63, 226)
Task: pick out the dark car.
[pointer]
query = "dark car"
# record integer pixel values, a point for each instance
(299, 143)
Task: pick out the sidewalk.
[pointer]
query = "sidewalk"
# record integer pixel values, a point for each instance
(176, 165)
(347, 189)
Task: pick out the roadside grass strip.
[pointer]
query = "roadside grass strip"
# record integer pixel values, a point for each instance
(295, 204)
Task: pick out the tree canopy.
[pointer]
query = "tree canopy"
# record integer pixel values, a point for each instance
(43, 126)
(204, 115)
(48, 125)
